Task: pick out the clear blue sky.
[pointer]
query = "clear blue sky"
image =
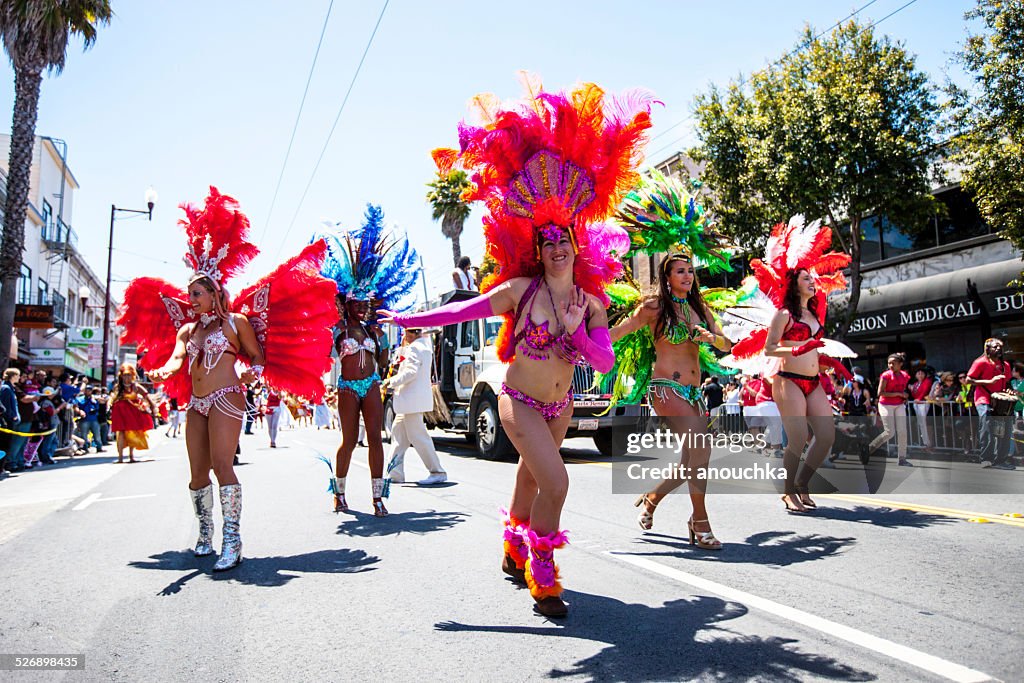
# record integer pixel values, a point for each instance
(187, 94)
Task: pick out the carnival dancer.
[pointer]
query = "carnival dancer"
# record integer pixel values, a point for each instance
(280, 326)
(664, 344)
(548, 168)
(131, 413)
(793, 282)
(368, 265)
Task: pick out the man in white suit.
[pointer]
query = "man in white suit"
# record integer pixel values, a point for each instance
(413, 397)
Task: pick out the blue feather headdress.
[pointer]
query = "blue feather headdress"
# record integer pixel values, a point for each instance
(370, 264)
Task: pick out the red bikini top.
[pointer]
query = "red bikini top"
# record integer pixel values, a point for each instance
(800, 331)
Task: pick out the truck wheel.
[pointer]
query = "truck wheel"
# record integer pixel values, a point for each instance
(603, 440)
(389, 419)
(491, 441)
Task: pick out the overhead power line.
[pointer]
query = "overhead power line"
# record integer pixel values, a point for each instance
(295, 126)
(746, 79)
(341, 109)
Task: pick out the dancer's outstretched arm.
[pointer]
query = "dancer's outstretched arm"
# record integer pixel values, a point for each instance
(499, 300)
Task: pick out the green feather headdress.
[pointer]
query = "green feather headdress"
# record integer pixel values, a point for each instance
(661, 216)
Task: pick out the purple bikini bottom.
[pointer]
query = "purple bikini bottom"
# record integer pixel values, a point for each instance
(549, 411)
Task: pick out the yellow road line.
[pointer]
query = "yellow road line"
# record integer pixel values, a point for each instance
(579, 461)
(916, 507)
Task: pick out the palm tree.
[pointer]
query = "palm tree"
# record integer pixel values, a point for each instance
(35, 34)
(445, 198)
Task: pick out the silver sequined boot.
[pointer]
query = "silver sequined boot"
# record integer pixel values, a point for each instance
(231, 508)
(379, 492)
(202, 501)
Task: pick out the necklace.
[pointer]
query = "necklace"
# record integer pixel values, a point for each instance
(207, 318)
(554, 310)
(678, 299)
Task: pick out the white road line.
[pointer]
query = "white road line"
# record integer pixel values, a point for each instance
(930, 663)
(96, 498)
(89, 500)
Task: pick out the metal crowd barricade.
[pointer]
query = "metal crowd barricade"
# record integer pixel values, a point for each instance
(948, 426)
(65, 428)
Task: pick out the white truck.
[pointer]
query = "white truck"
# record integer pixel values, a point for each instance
(469, 376)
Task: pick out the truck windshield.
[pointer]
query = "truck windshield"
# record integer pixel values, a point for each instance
(491, 327)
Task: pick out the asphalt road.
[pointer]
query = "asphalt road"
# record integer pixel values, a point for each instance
(96, 560)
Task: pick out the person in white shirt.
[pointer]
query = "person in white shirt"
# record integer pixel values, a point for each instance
(462, 278)
(413, 397)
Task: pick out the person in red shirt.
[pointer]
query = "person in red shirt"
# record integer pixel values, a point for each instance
(892, 407)
(273, 406)
(919, 391)
(990, 374)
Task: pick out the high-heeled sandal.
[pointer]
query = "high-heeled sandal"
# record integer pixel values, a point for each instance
(804, 494)
(791, 508)
(340, 504)
(702, 539)
(646, 517)
(378, 508)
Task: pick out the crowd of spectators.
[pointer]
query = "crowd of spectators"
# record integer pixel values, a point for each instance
(44, 416)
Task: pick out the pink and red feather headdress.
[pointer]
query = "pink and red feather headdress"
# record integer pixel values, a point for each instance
(552, 159)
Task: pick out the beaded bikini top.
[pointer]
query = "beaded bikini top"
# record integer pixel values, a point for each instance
(534, 341)
(213, 347)
(679, 332)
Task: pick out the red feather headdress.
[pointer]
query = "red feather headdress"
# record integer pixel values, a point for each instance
(793, 247)
(216, 238)
(562, 159)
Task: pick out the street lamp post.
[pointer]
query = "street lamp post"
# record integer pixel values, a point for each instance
(151, 198)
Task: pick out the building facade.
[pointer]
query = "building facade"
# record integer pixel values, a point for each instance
(54, 272)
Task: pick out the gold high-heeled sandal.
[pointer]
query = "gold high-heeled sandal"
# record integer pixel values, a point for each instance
(804, 495)
(702, 539)
(646, 517)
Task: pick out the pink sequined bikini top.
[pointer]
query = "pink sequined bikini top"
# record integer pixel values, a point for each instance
(534, 341)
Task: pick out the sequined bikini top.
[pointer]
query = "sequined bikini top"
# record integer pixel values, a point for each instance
(350, 347)
(680, 332)
(213, 347)
(801, 331)
(535, 341)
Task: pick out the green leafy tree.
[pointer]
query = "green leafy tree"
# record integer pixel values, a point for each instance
(837, 129)
(35, 34)
(445, 199)
(988, 123)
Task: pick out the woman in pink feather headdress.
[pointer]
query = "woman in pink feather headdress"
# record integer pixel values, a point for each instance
(550, 169)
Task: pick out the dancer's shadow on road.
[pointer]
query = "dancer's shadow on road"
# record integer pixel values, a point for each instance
(366, 525)
(680, 640)
(267, 572)
(778, 548)
(888, 518)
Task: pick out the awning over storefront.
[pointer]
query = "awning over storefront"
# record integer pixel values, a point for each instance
(967, 294)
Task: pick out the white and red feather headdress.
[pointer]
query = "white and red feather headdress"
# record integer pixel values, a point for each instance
(217, 246)
(796, 246)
